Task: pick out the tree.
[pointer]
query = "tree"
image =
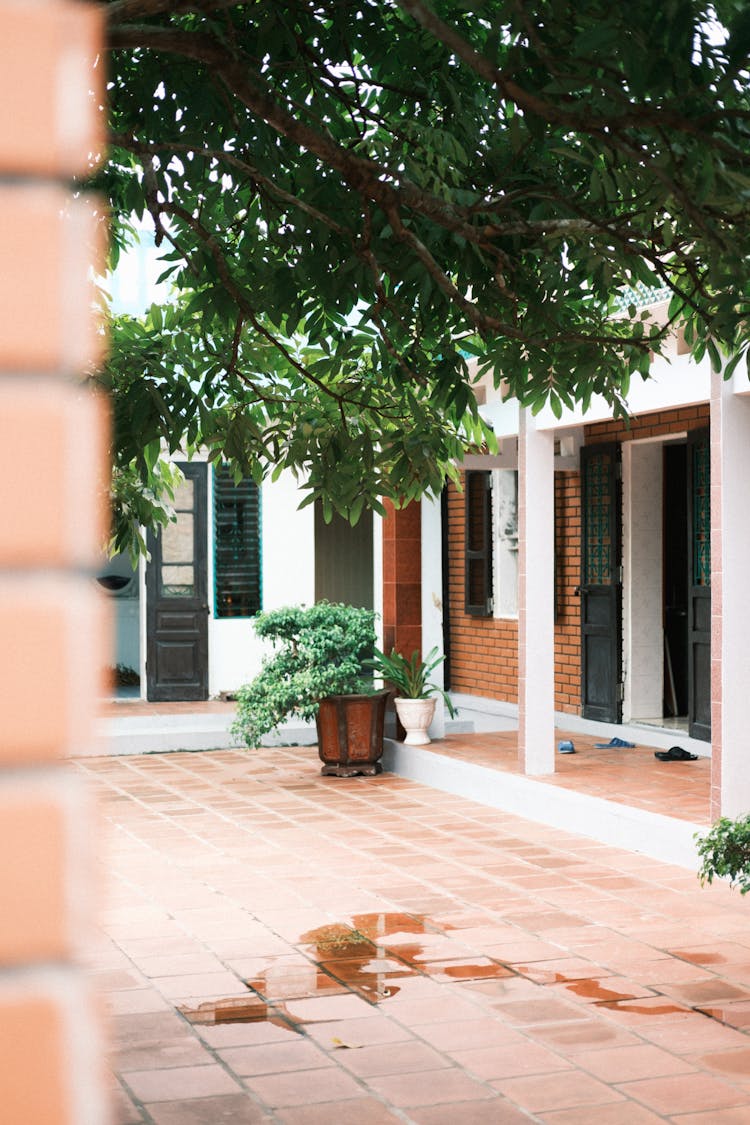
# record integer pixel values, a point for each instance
(353, 200)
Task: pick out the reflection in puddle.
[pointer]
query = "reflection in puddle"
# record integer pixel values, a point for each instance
(336, 941)
(240, 1009)
(377, 949)
(293, 982)
(368, 957)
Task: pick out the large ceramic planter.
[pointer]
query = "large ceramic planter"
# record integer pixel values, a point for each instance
(350, 733)
(416, 716)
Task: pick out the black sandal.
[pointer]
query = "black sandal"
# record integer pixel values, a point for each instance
(675, 754)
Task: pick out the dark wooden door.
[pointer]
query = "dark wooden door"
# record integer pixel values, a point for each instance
(699, 585)
(601, 584)
(343, 560)
(177, 598)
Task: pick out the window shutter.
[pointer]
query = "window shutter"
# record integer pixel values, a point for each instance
(478, 553)
(237, 553)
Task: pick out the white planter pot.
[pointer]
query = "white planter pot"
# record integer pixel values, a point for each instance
(416, 716)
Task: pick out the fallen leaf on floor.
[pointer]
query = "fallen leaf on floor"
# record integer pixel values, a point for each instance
(339, 1043)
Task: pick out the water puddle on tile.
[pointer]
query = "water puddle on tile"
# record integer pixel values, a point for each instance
(375, 951)
(371, 957)
(733, 1015)
(297, 982)
(644, 1009)
(698, 958)
(240, 1009)
(589, 988)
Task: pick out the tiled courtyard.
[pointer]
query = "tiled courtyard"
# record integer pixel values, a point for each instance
(284, 948)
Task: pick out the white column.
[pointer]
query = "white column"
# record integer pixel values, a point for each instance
(536, 587)
(730, 603)
(432, 596)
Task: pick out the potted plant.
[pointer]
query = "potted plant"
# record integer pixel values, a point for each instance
(725, 852)
(415, 702)
(318, 670)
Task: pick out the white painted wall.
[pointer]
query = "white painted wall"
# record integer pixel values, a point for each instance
(288, 576)
(432, 597)
(643, 597)
(673, 382)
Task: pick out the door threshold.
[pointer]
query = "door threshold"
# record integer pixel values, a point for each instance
(677, 723)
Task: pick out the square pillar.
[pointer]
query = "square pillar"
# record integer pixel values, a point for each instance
(402, 578)
(730, 604)
(536, 602)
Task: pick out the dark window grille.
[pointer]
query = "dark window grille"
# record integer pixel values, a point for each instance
(701, 450)
(237, 546)
(478, 556)
(597, 508)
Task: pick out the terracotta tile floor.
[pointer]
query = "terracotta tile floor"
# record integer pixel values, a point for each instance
(284, 948)
(629, 776)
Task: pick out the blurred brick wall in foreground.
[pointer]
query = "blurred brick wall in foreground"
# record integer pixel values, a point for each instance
(52, 629)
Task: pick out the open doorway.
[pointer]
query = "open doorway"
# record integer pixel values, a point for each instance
(676, 680)
(344, 559)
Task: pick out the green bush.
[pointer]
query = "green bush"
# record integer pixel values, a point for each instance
(725, 852)
(320, 650)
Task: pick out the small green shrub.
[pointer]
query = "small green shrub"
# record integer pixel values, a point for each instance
(124, 676)
(725, 852)
(320, 650)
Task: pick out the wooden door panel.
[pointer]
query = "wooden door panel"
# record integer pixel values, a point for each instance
(177, 593)
(601, 653)
(699, 585)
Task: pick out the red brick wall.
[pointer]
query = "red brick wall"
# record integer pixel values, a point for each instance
(484, 651)
(402, 578)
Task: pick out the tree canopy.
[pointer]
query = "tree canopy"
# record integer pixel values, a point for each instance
(353, 200)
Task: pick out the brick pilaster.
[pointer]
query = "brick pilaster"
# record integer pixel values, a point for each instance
(402, 581)
(52, 521)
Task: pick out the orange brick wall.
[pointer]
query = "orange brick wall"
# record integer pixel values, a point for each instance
(484, 651)
(567, 603)
(650, 425)
(52, 525)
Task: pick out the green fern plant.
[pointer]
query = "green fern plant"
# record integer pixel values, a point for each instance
(410, 676)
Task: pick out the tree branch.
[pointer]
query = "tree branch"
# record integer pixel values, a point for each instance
(368, 178)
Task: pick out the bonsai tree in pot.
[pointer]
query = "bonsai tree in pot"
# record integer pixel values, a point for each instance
(318, 670)
(415, 702)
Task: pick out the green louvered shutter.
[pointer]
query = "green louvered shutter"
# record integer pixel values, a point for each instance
(237, 546)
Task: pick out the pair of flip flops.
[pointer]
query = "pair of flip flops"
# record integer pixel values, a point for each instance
(614, 744)
(675, 754)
